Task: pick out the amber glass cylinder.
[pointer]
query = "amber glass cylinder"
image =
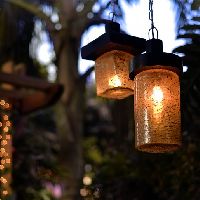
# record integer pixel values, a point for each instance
(112, 75)
(157, 110)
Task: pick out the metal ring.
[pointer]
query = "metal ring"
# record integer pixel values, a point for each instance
(113, 17)
(152, 31)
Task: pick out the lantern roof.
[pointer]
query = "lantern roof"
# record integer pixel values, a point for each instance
(113, 39)
(154, 57)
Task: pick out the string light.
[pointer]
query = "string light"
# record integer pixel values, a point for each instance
(5, 151)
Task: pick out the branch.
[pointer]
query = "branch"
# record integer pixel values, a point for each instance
(96, 21)
(86, 74)
(80, 83)
(34, 10)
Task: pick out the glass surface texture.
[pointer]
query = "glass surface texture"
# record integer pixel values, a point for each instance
(112, 75)
(157, 111)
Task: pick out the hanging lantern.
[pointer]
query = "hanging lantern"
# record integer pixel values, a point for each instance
(112, 53)
(157, 99)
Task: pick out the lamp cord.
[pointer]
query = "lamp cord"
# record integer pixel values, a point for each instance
(153, 28)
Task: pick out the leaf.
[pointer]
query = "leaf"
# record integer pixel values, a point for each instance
(189, 50)
(196, 19)
(190, 27)
(34, 9)
(188, 36)
(195, 5)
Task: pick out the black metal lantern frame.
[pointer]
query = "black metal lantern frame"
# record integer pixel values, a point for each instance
(157, 99)
(113, 52)
(155, 56)
(113, 39)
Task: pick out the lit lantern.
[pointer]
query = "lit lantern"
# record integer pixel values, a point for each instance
(112, 53)
(157, 100)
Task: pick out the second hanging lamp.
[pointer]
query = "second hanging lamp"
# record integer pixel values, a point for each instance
(157, 97)
(112, 52)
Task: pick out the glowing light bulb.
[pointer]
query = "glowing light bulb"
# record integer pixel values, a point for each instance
(5, 192)
(87, 180)
(3, 162)
(3, 180)
(8, 137)
(83, 192)
(2, 150)
(4, 142)
(5, 117)
(8, 123)
(157, 98)
(2, 102)
(115, 81)
(1, 167)
(157, 95)
(5, 129)
(7, 105)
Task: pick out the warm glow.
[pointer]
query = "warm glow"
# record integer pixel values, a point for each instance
(7, 105)
(83, 192)
(5, 117)
(2, 150)
(3, 180)
(5, 129)
(8, 123)
(157, 110)
(87, 180)
(1, 167)
(5, 150)
(2, 102)
(5, 192)
(3, 162)
(157, 97)
(8, 137)
(112, 75)
(115, 81)
(4, 142)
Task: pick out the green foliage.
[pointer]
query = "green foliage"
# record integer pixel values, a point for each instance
(92, 152)
(191, 78)
(195, 5)
(35, 158)
(124, 173)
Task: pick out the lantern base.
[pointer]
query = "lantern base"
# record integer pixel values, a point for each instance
(158, 148)
(116, 93)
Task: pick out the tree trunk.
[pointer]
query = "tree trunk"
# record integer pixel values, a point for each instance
(70, 118)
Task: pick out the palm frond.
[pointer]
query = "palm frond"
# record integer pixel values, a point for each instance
(34, 9)
(195, 5)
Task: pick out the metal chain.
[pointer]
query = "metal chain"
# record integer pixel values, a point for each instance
(151, 19)
(114, 4)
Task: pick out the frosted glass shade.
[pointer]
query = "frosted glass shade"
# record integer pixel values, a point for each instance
(112, 75)
(157, 110)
